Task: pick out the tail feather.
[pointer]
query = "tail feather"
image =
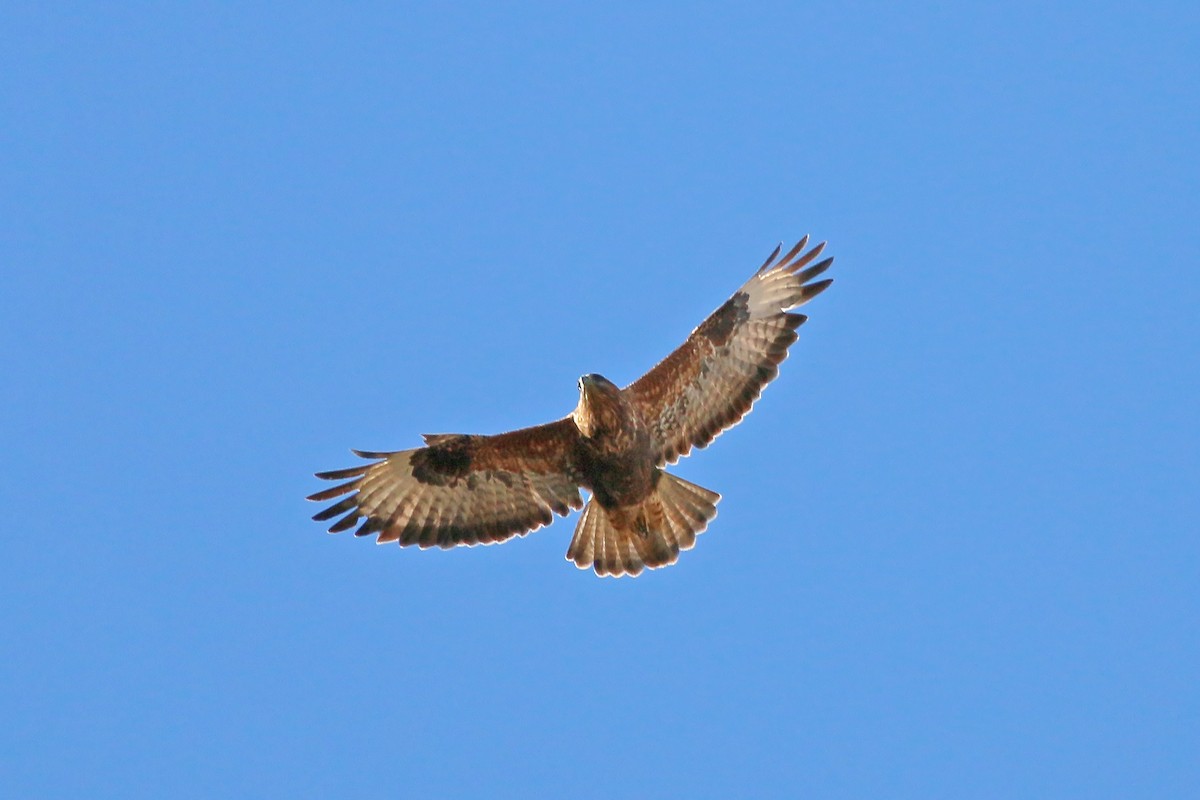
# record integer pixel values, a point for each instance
(626, 540)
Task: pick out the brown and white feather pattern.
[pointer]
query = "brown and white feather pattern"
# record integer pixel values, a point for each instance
(710, 382)
(460, 489)
(465, 490)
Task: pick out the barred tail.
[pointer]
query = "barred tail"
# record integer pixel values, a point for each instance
(625, 540)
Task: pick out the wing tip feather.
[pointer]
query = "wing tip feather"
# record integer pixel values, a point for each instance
(345, 523)
(371, 454)
(811, 290)
(336, 491)
(800, 245)
(815, 270)
(338, 474)
(771, 258)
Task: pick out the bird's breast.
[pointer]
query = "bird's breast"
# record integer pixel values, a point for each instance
(619, 471)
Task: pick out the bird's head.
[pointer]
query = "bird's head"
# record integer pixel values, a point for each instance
(599, 406)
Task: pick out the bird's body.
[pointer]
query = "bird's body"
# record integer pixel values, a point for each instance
(614, 453)
(463, 489)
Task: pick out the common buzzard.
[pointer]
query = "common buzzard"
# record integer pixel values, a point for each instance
(465, 489)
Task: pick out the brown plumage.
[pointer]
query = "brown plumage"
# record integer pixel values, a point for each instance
(466, 489)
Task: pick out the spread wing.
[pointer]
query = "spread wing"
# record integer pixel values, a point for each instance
(459, 489)
(712, 380)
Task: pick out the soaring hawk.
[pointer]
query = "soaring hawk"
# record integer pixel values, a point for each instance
(466, 489)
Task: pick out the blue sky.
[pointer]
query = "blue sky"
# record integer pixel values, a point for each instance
(957, 554)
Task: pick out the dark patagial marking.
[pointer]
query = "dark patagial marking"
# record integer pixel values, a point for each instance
(443, 463)
(719, 327)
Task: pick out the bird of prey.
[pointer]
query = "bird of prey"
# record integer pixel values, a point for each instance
(466, 489)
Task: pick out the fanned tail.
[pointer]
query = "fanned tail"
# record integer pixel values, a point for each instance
(626, 540)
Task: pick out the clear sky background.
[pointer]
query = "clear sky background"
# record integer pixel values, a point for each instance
(958, 553)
